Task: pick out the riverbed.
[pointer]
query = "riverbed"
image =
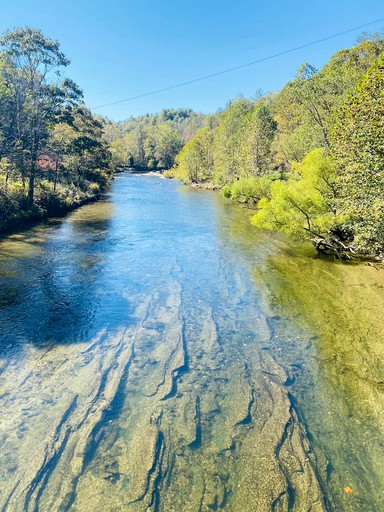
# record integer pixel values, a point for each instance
(160, 354)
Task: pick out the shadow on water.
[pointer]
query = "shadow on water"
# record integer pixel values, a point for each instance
(53, 278)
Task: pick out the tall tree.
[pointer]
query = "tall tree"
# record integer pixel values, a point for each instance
(36, 62)
(357, 146)
(162, 144)
(229, 140)
(260, 132)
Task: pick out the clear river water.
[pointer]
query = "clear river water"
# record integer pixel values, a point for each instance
(157, 353)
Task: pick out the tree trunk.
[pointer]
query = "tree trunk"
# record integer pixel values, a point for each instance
(31, 185)
(56, 174)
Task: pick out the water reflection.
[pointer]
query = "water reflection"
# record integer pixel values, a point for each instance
(327, 324)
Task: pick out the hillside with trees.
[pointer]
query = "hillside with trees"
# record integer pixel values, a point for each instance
(53, 155)
(309, 159)
(152, 141)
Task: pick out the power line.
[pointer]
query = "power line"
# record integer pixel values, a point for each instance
(229, 70)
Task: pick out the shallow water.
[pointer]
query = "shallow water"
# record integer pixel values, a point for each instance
(159, 354)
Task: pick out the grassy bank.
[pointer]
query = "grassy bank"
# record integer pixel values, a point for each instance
(15, 212)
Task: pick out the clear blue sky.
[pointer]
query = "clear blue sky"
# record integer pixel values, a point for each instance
(123, 48)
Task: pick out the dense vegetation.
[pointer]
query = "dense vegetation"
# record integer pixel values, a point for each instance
(152, 141)
(52, 152)
(310, 159)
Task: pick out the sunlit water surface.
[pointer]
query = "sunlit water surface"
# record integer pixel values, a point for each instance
(157, 353)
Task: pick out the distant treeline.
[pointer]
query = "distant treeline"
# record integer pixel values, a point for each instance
(52, 152)
(152, 141)
(310, 159)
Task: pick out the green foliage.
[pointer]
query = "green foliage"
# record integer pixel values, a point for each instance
(313, 153)
(162, 144)
(194, 163)
(357, 145)
(229, 141)
(248, 190)
(302, 206)
(34, 63)
(152, 141)
(234, 144)
(259, 135)
(304, 108)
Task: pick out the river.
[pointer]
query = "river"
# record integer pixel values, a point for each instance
(159, 354)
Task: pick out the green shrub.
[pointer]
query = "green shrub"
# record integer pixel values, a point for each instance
(248, 190)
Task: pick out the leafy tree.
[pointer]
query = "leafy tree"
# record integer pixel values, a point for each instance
(90, 149)
(162, 144)
(194, 163)
(324, 132)
(259, 136)
(229, 140)
(304, 108)
(357, 145)
(140, 142)
(8, 128)
(61, 139)
(303, 207)
(248, 190)
(121, 151)
(53, 154)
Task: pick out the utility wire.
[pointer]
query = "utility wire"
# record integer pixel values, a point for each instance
(229, 70)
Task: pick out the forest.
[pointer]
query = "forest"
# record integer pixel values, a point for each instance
(205, 331)
(310, 159)
(53, 155)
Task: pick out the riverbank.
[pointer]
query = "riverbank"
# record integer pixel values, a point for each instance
(14, 215)
(319, 178)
